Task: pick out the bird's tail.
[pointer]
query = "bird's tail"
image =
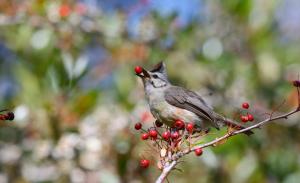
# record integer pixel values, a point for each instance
(221, 121)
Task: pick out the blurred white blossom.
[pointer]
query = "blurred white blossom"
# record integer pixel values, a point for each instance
(66, 146)
(39, 173)
(10, 154)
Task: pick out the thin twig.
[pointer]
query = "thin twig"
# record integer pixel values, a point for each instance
(276, 108)
(257, 125)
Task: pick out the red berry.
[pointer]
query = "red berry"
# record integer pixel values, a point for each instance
(166, 135)
(2, 117)
(296, 83)
(250, 117)
(158, 123)
(138, 126)
(179, 124)
(244, 119)
(198, 151)
(175, 135)
(190, 127)
(144, 163)
(245, 105)
(145, 136)
(64, 10)
(10, 116)
(138, 70)
(153, 134)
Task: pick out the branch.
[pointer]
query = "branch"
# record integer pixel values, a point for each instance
(257, 125)
(171, 165)
(167, 169)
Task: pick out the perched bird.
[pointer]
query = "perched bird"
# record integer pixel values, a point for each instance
(169, 103)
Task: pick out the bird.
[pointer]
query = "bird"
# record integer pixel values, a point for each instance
(169, 103)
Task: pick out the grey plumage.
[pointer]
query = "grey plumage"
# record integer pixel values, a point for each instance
(185, 99)
(189, 100)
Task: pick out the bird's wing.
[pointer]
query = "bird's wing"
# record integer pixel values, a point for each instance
(191, 101)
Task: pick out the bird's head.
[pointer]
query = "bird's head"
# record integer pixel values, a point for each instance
(156, 77)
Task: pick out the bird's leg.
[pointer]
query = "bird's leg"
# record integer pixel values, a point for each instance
(206, 131)
(198, 132)
(173, 130)
(197, 129)
(189, 141)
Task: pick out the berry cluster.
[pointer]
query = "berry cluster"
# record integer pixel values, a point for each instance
(169, 140)
(248, 116)
(8, 116)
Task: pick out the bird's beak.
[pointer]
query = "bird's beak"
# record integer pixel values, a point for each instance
(144, 74)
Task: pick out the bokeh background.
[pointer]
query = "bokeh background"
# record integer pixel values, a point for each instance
(66, 70)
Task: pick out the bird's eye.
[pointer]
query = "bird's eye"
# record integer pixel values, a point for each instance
(155, 76)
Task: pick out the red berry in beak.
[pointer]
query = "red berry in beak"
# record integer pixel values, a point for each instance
(138, 70)
(179, 124)
(198, 151)
(245, 105)
(138, 126)
(190, 127)
(250, 117)
(145, 136)
(166, 135)
(144, 163)
(244, 119)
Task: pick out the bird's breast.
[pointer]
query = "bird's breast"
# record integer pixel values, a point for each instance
(167, 113)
